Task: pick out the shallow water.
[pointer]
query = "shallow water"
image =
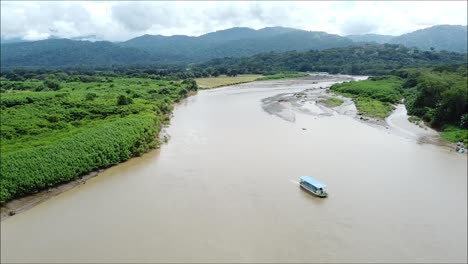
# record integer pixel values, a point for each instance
(224, 189)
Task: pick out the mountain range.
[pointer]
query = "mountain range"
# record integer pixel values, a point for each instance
(234, 42)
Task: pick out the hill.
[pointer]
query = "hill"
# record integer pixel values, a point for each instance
(376, 38)
(234, 43)
(442, 37)
(65, 52)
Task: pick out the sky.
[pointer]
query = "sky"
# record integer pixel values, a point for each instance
(119, 20)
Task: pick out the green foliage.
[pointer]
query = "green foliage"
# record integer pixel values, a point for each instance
(441, 37)
(439, 96)
(333, 101)
(455, 134)
(373, 107)
(385, 89)
(374, 96)
(64, 52)
(369, 59)
(282, 75)
(28, 170)
(91, 96)
(124, 100)
(52, 83)
(50, 137)
(464, 121)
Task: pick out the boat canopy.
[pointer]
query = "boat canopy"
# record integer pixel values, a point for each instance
(313, 182)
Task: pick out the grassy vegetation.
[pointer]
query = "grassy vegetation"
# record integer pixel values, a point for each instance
(53, 132)
(283, 75)
(455, 134)
(374, 96)
(385, 89)
(332, 101)
(223, 80)
(369, 106)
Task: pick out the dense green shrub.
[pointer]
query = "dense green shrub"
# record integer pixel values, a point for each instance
(387, 89)
(51, 137)
(124, 100)
(438, 96)
(29, 170)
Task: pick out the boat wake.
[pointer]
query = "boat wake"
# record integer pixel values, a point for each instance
(293, 181)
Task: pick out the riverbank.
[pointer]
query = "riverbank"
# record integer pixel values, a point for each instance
(82, 126)
(223, 80)
(323, 102)
(241, 198)
(23, 203)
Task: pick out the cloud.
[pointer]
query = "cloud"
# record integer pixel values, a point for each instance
(118, 21)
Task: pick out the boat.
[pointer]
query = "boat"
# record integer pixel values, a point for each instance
(313, 186)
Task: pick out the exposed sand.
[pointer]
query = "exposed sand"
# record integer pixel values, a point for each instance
(311, 101)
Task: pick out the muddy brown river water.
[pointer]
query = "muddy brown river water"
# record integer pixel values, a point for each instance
(224, 189)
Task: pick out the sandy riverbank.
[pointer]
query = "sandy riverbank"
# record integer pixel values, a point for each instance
(312, 102)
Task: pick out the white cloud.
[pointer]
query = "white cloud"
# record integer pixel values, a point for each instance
(117, 21)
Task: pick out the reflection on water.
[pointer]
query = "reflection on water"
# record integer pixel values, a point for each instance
(222, 190)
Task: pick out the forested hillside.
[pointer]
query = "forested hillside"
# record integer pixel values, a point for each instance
(366, 59)
(376, 38)
(443, 37)
(65, 52)
(234, 42)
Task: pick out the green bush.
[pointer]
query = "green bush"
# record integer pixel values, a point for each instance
(124, 100)
(29, 170)
(51, 137)
(386, 89)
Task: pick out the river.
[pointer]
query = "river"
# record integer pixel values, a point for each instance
(225, 189)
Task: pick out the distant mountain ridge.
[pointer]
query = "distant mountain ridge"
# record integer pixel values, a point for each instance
(442, 37)
(233, 42)
(236, 42)
(371, 38)
(65, 52)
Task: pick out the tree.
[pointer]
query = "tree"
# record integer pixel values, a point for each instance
(124, 100)
(215, 73)
(91, 96)
(52, 83)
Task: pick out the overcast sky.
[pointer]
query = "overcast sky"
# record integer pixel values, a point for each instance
(117, 21)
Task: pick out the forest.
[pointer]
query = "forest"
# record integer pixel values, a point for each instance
(369, 59)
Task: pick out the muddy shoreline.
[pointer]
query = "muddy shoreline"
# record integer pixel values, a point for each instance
(24, 203)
